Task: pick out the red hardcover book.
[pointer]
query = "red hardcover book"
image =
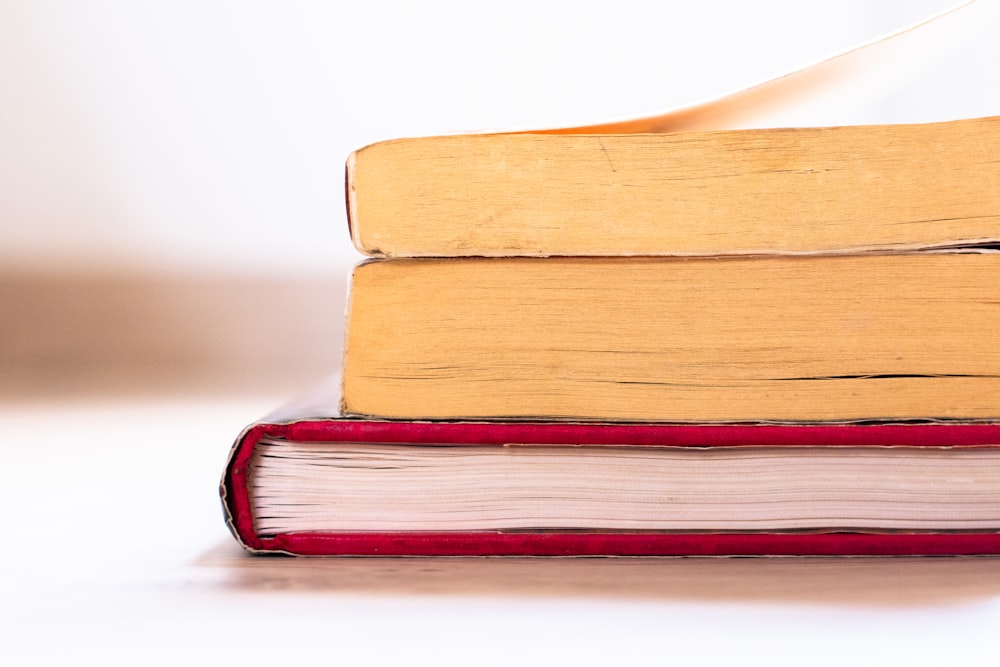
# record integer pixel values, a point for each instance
(332, 486)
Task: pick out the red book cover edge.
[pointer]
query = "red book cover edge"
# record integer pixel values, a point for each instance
(236, 501)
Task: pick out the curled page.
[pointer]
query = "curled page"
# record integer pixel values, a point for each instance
(739, 108)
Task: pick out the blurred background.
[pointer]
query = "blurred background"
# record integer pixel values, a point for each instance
(171, 173)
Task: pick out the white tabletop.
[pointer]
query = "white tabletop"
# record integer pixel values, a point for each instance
(115, 548)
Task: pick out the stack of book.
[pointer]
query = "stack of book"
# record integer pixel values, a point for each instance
(749, 342)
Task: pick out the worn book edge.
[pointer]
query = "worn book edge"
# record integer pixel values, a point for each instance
(716, 113)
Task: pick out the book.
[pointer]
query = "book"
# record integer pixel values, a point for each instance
(335, 486)
(798, 339)
(602, 341)
(792, 191)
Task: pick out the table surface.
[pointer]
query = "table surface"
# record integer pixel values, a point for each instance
(115, 548)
